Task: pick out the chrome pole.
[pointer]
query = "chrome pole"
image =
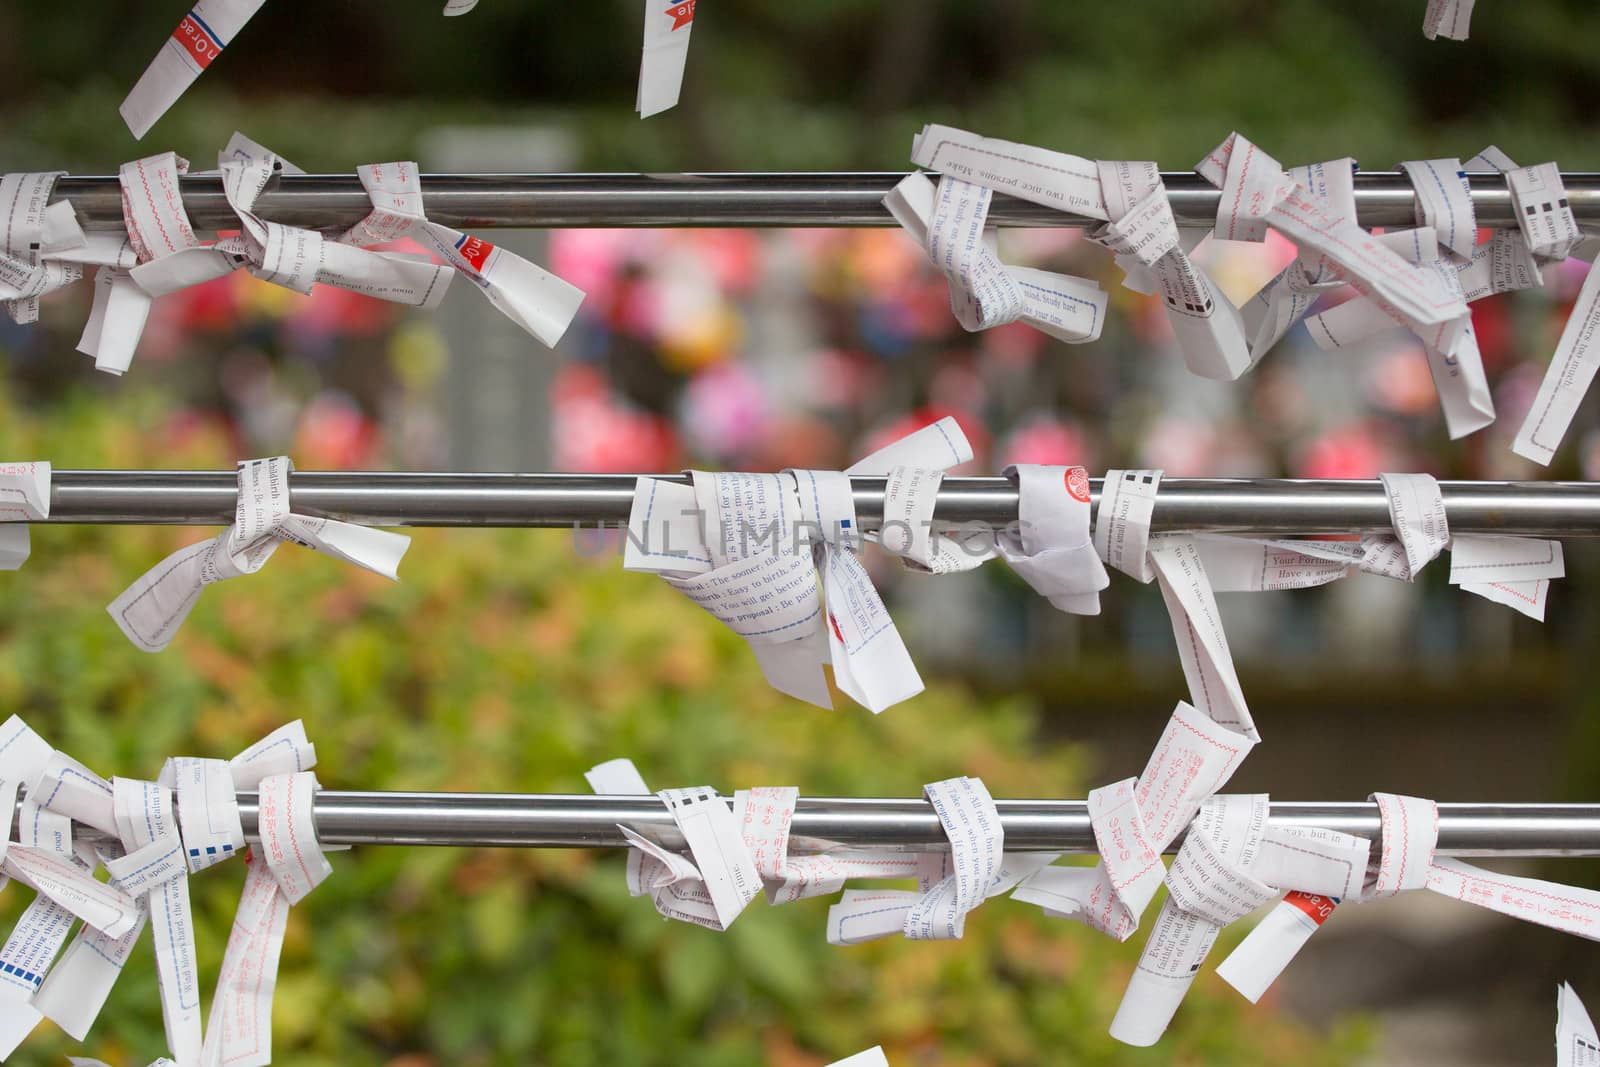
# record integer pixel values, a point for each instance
(524, 820)
(1238, 505)
(487, 201)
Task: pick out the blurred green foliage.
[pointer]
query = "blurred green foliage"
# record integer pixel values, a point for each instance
(508, 661)
(826, 85)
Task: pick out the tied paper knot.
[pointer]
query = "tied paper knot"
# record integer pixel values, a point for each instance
(712, 884)
(1231, 862)
(1050, 547)
(145, 857)
(950, 220)
(1257, 193)
(749, 548)
(1134, 822)
(528, 295)
(37, 231)
(150, 611)
(287, 256)
(24, 498)
(952, 885)
(1407, 861)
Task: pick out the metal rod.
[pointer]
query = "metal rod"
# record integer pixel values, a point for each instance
(486, 201)
(531, 820)
(1256, 505)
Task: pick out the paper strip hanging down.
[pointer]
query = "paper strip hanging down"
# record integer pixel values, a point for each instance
(1447, 18)
(1229, 865)
(667, 25)
(1050, 546)
(24, 497)
(749, 548)
(1577, 1044)
(1458, 374)
(1122, 537)
(150, 611)
(523, 292)
(1410, 828)
(153, 869)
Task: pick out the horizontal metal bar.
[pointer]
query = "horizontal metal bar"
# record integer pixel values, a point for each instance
(1259, 505)
(531, 820)
(487, 201)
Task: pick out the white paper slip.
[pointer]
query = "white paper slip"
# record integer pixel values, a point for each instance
(239, 1025)
(208, 810)
(667, 25)
(1566, 380)
(953, 884)
(949, 221)
(1569, 909)
(1416, 510)
(200, 38)
(1197, 626)
(1577, 1044)
(150, 611)
(1054, 179)
(1312, 860)
(1142, 232)
(1256, 191)
(1487, 558)
(872, 1057)
(294, 856)
(1122, 523)
(1444, 202)
(528, 295)
(1194, 757)
(25, 958)
(144, 819)
(1543, 213)
(1208, 887)
(1238, 564)
(1447, 18)
(1267, 950)
(104, 907)
(1050, 546)
(24, 497)
(76, 988)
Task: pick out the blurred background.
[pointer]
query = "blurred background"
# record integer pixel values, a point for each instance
(509, 660)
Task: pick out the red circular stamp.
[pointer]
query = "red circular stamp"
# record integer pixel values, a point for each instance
(1078, 484)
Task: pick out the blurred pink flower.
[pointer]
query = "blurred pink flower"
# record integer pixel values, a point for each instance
(1046, 439)
(333, 434)
(597, 434)
(1350, 451)
(724, 408)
